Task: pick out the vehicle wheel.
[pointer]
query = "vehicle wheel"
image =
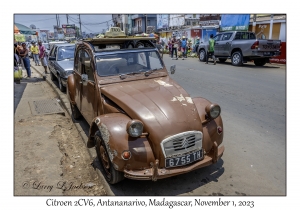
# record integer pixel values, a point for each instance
(260, 62)
(222, 60)
(202, 55)
(110, 173)
(236, 58)
(60, 85)
(75, 112)
(52, 76)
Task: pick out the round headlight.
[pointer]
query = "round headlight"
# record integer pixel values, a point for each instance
(135, 128)
(213, 110)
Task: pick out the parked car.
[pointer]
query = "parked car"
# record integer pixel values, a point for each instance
(143, 125)
(241, 47)
(61, 61)
(47, 46)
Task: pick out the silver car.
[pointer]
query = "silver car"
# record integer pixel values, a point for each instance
(60, 62)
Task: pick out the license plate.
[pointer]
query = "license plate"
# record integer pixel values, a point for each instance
(267, 53)
(184, 160)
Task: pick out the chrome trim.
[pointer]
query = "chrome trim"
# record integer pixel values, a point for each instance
(181, 143)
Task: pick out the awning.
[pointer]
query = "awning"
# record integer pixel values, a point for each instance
(19, 28)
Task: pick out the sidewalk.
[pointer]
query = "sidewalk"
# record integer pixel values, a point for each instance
(50, 157)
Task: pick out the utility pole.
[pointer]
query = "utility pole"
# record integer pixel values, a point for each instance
(80, 26)
(254, 23)
(146, 24)
(68, 19)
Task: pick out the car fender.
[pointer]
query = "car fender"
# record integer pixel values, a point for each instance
(210, 132)
(71, 88)
(113, 132)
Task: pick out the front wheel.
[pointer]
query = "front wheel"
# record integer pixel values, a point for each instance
(236, 58)
(202, 55)
(111, 175)
(52, 76)
(60, 85)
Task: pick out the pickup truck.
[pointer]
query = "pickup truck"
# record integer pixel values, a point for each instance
(241, 47)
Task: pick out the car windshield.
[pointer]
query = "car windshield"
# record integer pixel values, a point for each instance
(65, 52)
(128, 63)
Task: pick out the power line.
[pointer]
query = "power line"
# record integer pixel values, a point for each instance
(37, 20)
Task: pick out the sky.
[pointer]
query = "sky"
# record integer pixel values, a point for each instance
(90, 23)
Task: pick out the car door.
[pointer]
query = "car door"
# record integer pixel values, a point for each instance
(51, 63)
(77, 79)
(225, 44)
(217, 38)
(88, 91)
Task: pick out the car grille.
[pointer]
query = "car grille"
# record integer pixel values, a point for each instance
(182, 143)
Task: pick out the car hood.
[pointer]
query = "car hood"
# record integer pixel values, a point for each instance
(66, 64)
(161, 104)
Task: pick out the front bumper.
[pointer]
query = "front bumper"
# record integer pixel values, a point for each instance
(155, 173)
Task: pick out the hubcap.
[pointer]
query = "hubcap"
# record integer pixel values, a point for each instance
(105, 160)
(236, 58)
(201, 55)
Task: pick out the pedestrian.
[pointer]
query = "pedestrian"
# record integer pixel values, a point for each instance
(183, 47)
(24, 55)
(174, 47)
(35, 53)
(195, 48)
(211, 49)
(170, 47)
(42, 56)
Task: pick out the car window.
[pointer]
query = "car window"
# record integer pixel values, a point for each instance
(217, 38)
(241, 35)
(77, 63)
(86, 64)
(226, 36)
(65, 52)
(126, 63)
(237, 35)
(252, 36)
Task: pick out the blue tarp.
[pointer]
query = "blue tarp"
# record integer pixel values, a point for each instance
(235, 22)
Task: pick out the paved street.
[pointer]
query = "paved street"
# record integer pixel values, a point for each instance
(253, 102)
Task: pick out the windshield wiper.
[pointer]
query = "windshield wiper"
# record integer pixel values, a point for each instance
(147, 73)
(124, 76)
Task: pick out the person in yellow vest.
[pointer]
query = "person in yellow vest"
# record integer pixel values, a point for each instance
(35, 53)
(211, 49)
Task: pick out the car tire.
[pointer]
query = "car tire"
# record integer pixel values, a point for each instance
(60, 85)
(202, 55)
(75, 112)
(111, 175)
(222, 60)
(52, 76)
(237, 58)
(260, 62)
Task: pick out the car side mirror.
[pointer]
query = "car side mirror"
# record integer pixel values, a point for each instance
(84, 79)
(51, 58)
(172, 69)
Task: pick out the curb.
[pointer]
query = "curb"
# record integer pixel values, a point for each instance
(64, 101)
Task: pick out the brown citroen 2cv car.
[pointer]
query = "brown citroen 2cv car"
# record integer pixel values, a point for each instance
(143, 124)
